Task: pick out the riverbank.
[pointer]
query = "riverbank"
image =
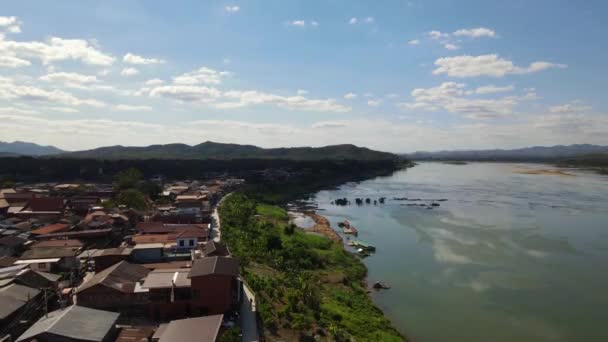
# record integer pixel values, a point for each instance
(307, 286)
(322, 226)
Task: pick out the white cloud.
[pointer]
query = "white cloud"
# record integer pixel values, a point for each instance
(7, 21)
(154, 82)
(232, 9)
(68, 78)
(366, 20)
(17, 110)
(330, 124)
(237, 99)
(302, 92)
(9, 90)
(476, 32)
(491, 89)
(10, 24)
(129, 108)
(486, 65)
(438, 35)
(129, 72)
(451, 46)
(374, 133)
(13, 62)
(573, 107)
(202, 75)
(414, 42)
(350, 96)
(298, 23)
(454, 98)
(314, 23)
(130, 58)
(373, 103)
(186, 93)
(56, 49)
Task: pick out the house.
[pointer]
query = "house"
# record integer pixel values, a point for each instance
(188, 238)
(50, 259)
(51, 228)
(81, 204)
(13, 300)
(213, 248)
(23, 275)
(170, 293)
(43, 208)
(209, 287)
(207, 329)
(148, 252)
(214, 283)
(11, 245)
(73, 324)
(105, 258)
(117, 287)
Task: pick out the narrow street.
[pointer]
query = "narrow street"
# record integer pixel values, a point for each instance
(249, 316)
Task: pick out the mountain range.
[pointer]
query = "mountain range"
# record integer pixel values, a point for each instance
(212, 150)
(27, 149)
(536, 153)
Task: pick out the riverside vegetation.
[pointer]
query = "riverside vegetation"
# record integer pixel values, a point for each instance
(307, 286)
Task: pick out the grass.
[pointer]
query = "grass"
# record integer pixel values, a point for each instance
(271, 211)
(307, 285)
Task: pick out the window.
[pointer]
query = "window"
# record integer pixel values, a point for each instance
(181, 243)
(191, 242)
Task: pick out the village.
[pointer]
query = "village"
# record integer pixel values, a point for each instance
(74, 268)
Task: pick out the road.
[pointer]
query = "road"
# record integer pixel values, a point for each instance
(216, 234)
(249, 326)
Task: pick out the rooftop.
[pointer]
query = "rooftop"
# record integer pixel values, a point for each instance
(121, 277)
(74, 322)
(192, 329)
(214, 265)
(166, 278)
(49, 252)
(52, 228)
(14, 297)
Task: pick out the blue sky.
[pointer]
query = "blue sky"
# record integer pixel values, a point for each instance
(393, 75)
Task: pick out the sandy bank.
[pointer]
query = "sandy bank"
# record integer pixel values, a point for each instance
(543, 172)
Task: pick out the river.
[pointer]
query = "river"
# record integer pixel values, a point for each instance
(508, 256)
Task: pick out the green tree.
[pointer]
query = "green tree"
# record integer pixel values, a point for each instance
(128, 179)
(150, 189)
(133, 199)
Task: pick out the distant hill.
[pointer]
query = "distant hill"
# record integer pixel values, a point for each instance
(212, 150)
(599, 160)
(27, 149)
(537, 153)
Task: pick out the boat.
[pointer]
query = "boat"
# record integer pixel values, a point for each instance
(381, 286)
(364, 245)
(351, 230)
(344, 224)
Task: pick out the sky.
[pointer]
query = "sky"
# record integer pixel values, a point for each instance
(392, 75)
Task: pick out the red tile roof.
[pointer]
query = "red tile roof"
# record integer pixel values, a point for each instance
(53, 228)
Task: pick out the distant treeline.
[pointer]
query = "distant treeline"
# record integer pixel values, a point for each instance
(275, 181)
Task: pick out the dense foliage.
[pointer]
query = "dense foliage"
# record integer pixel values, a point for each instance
(305, 283)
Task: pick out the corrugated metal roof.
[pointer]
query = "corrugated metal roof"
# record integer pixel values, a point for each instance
(214, 265)
(121, 277)
(75, 322)
(13, 297)
(192, 329)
